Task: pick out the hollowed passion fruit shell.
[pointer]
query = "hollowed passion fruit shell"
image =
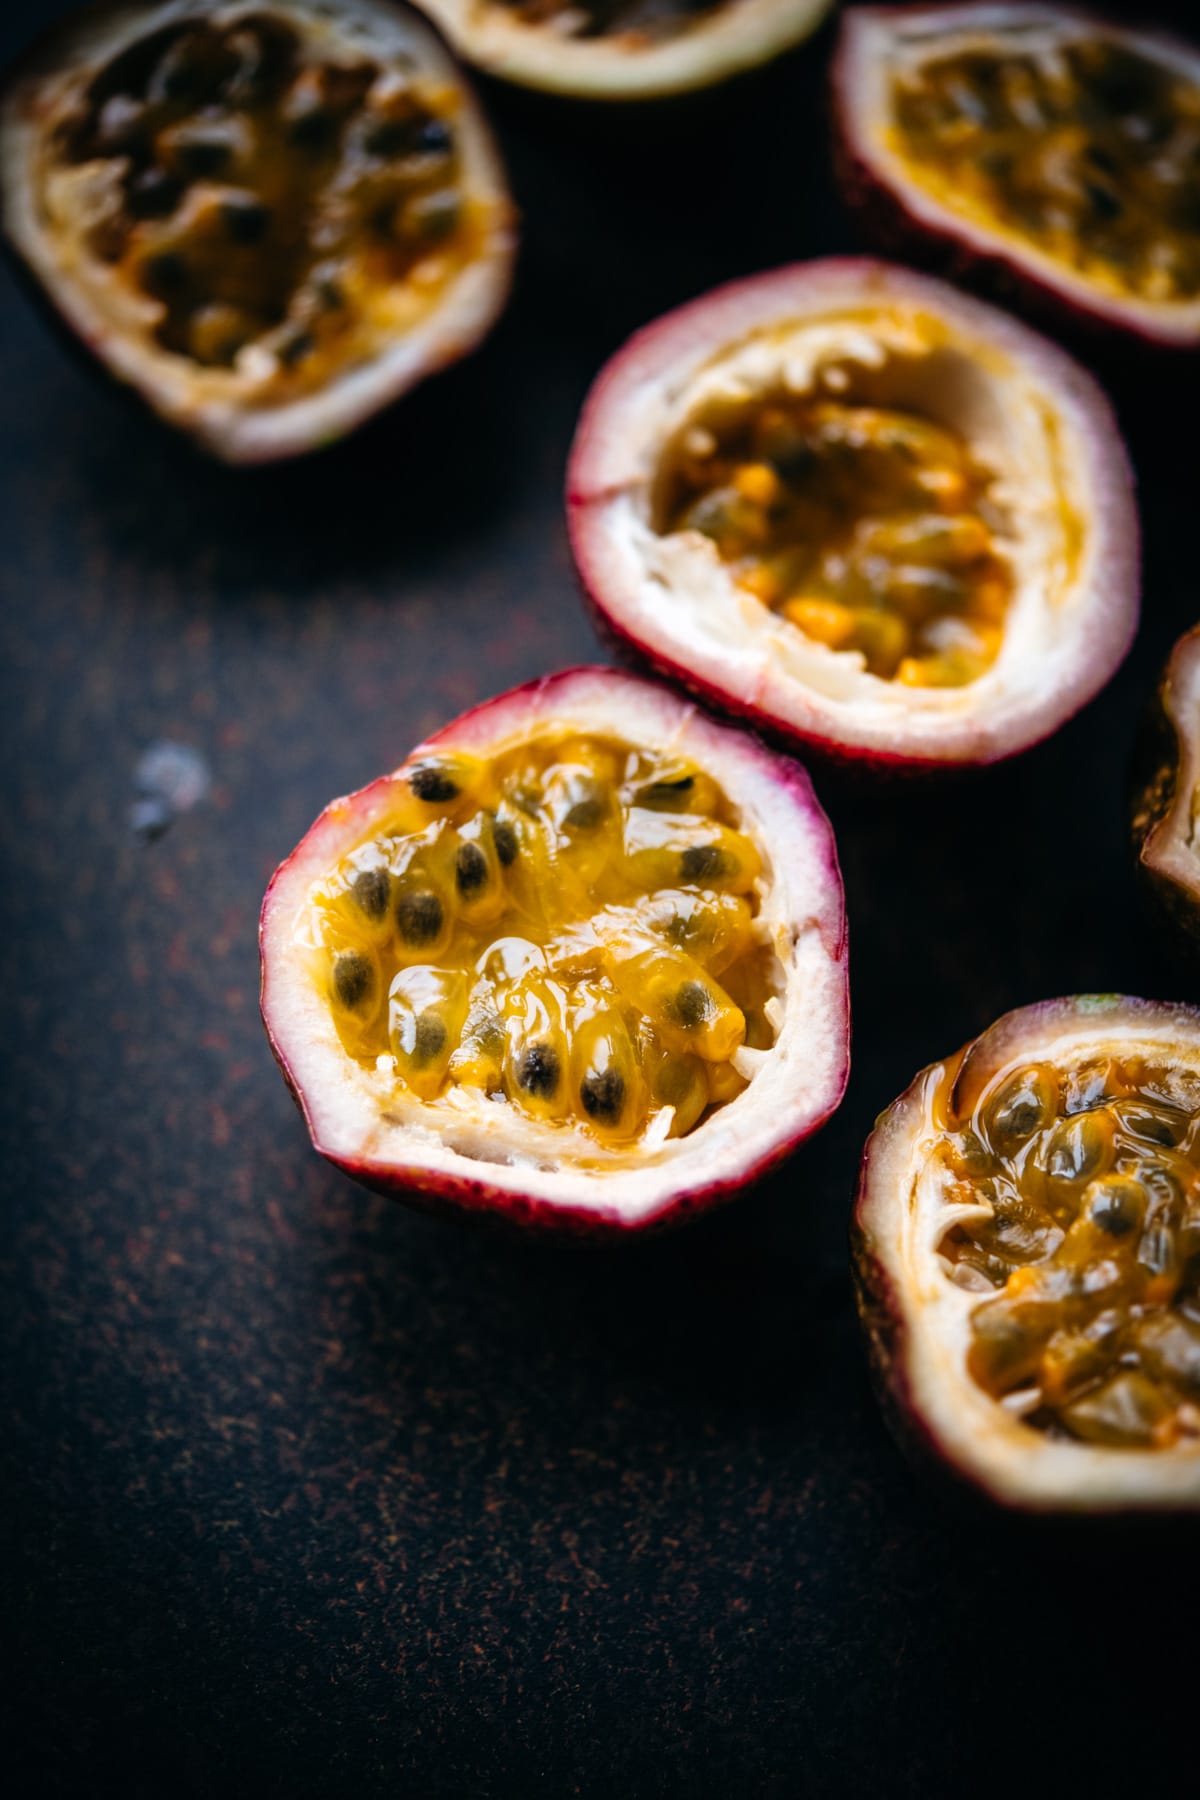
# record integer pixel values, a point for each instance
(270, 220)
(1033, 146)
(1166, 808)
(579, 962)
(1027, 1252)
(623, 49)
(862, 510)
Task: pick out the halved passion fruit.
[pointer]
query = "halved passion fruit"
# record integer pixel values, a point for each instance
(1027, 1249)
(270, 220)
(579, 961)
(862, 510)
(623, 49)
(1035, 142)
(1166, 809)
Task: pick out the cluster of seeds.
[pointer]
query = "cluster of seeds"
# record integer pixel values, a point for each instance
(1086, 1187)
(870, 529)
(264, 196)
(1091, 150)
(648, 20)
(569, 928)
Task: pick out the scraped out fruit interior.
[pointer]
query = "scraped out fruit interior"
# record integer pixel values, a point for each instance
(569, 927)
(1086, 1190)
(1087, 148)
(272, 206)
(870, 528)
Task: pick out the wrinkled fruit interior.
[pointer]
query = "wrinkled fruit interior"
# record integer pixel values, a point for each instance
(1089, 149)
(1087, 1185)
(869, 528)
(568, 928)
(267, 199)
(648, 21)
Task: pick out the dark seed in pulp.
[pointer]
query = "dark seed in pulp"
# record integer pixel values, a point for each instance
(603, 1094)
(470, 870)
(419, 917)
(537, 1072)
(352, 979)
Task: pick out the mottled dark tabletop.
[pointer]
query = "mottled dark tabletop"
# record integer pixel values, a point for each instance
(308, 1493)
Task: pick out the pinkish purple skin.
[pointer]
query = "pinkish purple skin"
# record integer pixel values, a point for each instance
(683, 322)
(883, 1313)
(441, 1191)
(965, 252)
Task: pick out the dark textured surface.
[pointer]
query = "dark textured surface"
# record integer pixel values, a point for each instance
(306, 1493)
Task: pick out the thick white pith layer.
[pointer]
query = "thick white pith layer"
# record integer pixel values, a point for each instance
(904, 1216)
(236, 411)
(879, 47)
(361, 1116)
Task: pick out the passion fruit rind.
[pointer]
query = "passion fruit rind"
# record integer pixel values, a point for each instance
(1166, 781)
(898, 216)
(266, 221)
(1039, 608)
(620, 50)
(488, 1149)
(1038, 1344)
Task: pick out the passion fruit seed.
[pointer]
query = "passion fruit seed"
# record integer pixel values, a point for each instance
(1093, 1320)
(353, 979)
(1087, 148)
(567, 966)
(253, 174)
(419, 917)
(862, 527)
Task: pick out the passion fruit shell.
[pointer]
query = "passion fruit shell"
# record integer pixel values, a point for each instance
(998, 1142)
(269, 222)
(1166, 786)
(868, 354)
(624, 49)
(478, 1151)
(1044, 170)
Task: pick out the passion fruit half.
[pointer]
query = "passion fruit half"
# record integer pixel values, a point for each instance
(579, 962)
(868, 513)
(1166, 808)
(1027, 1251)
(623, 49)
(269, 220)
(1034, 145)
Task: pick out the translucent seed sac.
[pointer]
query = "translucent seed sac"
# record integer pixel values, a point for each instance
(606, 1074)
(426, 1010)
(1127, 1410)
(1115, 1205)
(1026, 1104)
(537, 1058)
(372, 893)
(684, 1004)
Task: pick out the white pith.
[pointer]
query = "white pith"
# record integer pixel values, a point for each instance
(1171, 848)
(1030, 416)
(879, 45)
(741, 35)
(237, 412)
(903, 1216)
(365, 1117)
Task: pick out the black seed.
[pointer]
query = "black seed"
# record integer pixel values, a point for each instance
(585, 814)
(1104, 204)
(1113, 1206)
(603, 1094)
(245, 218)
(294, 348)
(388, 137)
(432, 783)
(372, 889)
(153, 194)
(165, 273)
(665, 793)
(470, 870)
(537, 1071)
(353, 978)
(198, 157)
(434, 138)
(419, 917)
(505, 840)
(312, 128)
(430, 1038)
(692, 1004)
(703, 862)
